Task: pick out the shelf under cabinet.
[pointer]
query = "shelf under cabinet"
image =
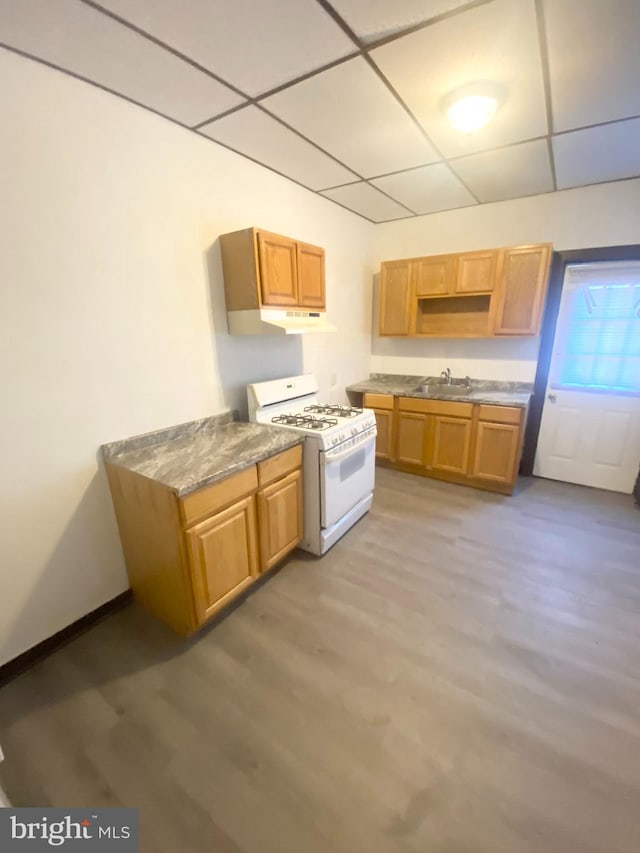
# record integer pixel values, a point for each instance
(453, 316)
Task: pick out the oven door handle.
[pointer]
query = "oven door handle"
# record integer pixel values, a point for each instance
(337, 455)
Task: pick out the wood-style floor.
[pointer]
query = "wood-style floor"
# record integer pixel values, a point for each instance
(460, 673)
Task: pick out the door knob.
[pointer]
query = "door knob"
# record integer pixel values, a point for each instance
(552, 397)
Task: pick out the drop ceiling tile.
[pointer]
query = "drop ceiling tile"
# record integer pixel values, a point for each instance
(512, 172)
(257, 135)
(597, 154)
(496, 42)
(594, 60)
(80, 39)
(367, 201)
(348, 111)
(373, 20)
(427, 189)
(253, 46)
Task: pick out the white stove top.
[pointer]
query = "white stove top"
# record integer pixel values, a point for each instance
(293, 403)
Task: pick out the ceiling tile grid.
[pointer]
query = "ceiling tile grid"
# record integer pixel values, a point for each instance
(254, 133)
(255, 45)
(86, 42)
(345, 97)
(427, 189)
(349, 112)
(369, 202)
(594, 60)
(609, 152)
(512, 172)
(497, 43)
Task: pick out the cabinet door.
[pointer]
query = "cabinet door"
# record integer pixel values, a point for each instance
(280, 515)
(523, 279)
(382, 405)
(451, 442)
(433, 276)
(395, 298)
(476, 272)
(278, 270)
(384, 437)
(223, 556)
(496, 453)
(411, 441)
(310, 276)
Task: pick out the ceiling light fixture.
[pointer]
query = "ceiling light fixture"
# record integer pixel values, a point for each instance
(472, 107)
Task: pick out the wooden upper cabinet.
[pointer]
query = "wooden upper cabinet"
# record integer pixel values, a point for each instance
(473, 294)
(433, 276)
(310, 264)
(476, 272)
(278, 270)
(265, 269)
(522, 286)
(395, 298)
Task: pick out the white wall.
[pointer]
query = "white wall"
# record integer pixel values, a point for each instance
(603, 215)
(113, 322)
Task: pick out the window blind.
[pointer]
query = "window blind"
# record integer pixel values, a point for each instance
(600, 335)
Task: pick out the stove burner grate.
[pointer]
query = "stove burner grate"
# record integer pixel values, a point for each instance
(306, 421)
(334, 410)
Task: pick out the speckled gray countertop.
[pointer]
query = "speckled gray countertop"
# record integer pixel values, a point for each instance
(482, 390)
(192, 455)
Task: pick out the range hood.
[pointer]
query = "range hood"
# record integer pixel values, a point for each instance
(274, 321)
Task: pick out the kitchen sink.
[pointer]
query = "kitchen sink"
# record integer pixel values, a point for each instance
(453, 389)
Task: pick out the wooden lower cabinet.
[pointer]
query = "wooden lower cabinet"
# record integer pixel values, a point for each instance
(382, 405)
(472, 444)
(411, 438)
(496, 453)
(188, 557)
(384, 434)
(451, 442)
(223, 556)
(280, 518)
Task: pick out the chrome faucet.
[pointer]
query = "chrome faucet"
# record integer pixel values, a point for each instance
(446, 375)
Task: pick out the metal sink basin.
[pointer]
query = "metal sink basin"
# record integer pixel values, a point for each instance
(442, 389)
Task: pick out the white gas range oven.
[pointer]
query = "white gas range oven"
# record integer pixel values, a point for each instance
(338, 454)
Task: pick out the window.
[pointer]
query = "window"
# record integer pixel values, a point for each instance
(599, 330)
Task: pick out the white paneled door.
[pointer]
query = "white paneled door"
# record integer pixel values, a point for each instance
(590, 431)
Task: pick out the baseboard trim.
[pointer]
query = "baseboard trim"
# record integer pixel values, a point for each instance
(15, 667)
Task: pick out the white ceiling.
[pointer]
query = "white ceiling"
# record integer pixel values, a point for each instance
(344, 96)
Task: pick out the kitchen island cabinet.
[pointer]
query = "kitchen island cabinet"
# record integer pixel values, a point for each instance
(192, 546)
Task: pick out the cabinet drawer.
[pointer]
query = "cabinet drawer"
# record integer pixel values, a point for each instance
(213, 498)
(500, 414)
(435, 407)
(277, 466)
(379, 401)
